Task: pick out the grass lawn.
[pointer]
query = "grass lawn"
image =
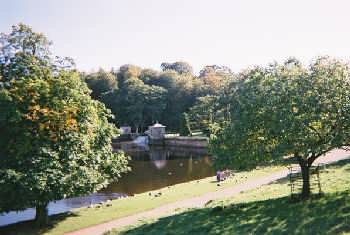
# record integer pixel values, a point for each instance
(86, 217)
(265, 210)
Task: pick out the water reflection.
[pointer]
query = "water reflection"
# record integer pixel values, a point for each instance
(161, 167)
(152, 169)
(58, 207)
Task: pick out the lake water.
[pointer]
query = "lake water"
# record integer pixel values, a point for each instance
(151, 169)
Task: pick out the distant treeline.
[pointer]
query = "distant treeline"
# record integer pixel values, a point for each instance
(139, 97)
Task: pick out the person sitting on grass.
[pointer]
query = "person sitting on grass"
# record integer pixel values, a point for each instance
(218, 176)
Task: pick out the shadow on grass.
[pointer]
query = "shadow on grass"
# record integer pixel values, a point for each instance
(29, 228)
(328, 215)
(323, 170)
(339, 163)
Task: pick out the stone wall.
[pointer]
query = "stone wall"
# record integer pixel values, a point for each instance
(192, 142)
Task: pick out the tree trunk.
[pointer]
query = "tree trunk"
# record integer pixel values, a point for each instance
(41, 216)
(305, 172)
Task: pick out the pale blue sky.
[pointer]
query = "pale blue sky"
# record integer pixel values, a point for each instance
(236, 33)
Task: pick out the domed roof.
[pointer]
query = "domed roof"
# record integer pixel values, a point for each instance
(157, 125)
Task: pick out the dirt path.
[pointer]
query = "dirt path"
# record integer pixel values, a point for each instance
(200, 201)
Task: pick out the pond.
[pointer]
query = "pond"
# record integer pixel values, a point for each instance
(152, 169)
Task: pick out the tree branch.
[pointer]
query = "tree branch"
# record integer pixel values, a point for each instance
(318, 134)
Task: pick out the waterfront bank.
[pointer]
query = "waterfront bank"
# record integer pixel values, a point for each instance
(85, 217)
(181, 142)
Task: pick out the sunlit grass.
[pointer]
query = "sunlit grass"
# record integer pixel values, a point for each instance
(86, 217)
(265, 210)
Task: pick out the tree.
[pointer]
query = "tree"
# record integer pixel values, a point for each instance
(149, 77)
(137, 101)
(145, 96)
(24, 52)
(179, 66)
(55, 140)
(286, 110)
(24, 39)
(204, 113)
(182, 92)
(214, 78)
(143, 103)
(155, 102)
(100, 83)
(55, 143)
(223, 71)
(126, 72)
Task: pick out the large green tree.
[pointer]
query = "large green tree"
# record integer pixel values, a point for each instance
(55, 140)
(286, 110)
(55, 143)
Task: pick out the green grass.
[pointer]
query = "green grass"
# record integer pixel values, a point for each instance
(86, 217)
(265, 210)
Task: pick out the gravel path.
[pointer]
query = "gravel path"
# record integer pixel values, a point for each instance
(200, 201)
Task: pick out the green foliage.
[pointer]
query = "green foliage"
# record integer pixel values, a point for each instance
(182, 93)
(179, 66)
(24, 39)
(285, 110)
(206, 112)
(224, 71)
(214, 79)
(100, 83)
(185, 129)
(144, 96)
(25, 53)
(135, 103)
(86, 217)
(55, 142)
(212, 107)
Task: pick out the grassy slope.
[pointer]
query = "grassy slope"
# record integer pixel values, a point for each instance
(265, 210)
(87, 217)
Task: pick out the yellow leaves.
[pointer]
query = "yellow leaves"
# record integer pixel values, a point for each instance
(42, 126)
(50, 123)
(316, 125)
(34, 112)
(45, 111)
(35, 107)
(71, 122)
(30, 117)
(295, 109)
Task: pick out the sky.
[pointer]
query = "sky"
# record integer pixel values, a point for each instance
(235, 33)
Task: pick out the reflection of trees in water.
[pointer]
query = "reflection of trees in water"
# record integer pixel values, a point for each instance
(159, 157)
(189, 168)
(161, 167)
(161, 153)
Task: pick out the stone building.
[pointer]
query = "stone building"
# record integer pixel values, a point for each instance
(157, 131)
(125, 130)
